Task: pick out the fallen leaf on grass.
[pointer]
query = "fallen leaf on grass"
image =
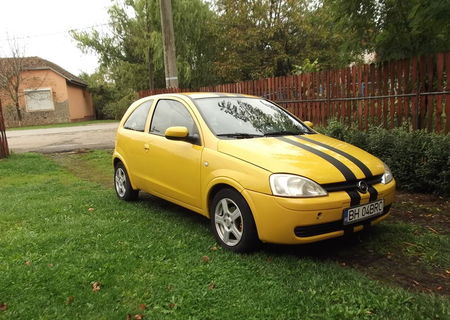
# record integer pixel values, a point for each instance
(211, 286)
(432, 230)
(3, 307)
(138, 316)
(142, 307)
(171, 305)
(70, 299)
(96, 286)
(91, 209)
(213, 248)
(28, 263)
(205, 259)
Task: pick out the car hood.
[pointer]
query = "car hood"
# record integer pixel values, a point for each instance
(315, 156)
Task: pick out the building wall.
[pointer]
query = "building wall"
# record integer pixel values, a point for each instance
(37, 79)
(71, 103)
(80, 104)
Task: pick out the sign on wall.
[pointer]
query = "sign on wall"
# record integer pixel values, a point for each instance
(39, 99)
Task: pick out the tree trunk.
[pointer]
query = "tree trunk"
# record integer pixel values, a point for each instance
(19, 114)
(151, 70)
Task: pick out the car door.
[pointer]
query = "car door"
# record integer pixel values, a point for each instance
(173, 167)
(131, 138)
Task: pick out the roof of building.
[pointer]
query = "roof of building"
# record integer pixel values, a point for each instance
(37, 63)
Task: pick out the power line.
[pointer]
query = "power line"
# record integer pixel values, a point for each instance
(54, 33)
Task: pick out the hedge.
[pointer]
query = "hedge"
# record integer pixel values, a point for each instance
(420, 161)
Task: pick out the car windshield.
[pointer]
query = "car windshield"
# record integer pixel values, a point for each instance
(240, 117)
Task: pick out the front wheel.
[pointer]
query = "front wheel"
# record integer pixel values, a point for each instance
(232, 222)
(122, 184)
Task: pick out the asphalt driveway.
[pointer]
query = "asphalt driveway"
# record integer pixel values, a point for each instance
(92, 136)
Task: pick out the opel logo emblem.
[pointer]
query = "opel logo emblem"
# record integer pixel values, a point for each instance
(362, 186)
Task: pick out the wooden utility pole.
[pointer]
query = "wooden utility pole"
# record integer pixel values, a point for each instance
(170, 62)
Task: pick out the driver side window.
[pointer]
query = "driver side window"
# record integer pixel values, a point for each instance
(171, 113)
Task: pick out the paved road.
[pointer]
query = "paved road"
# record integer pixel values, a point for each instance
(92, 136)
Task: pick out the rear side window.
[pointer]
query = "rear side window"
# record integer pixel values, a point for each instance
(170, 113)
(136, 120)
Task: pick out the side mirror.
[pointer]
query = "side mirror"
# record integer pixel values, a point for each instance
(176, 133)
(309, 123)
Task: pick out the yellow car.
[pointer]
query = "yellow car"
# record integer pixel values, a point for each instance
(259, 173)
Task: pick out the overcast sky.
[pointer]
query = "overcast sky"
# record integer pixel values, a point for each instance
(41, 29)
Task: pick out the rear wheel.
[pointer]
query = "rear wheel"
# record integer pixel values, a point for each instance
(122, 184)
(232, 222)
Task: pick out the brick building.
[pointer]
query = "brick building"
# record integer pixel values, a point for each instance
(47, 94)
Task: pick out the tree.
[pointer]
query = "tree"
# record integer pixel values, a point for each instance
(131, 50)
(267, 38)
(392, 29)
(11, 76)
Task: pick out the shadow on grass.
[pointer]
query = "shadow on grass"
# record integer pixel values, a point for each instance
(376, 252)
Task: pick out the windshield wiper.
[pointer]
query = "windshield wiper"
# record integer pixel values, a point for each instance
(282, 133)
(240, 135)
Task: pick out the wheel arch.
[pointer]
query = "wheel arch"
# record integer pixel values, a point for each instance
(116, 158)
(223, 183)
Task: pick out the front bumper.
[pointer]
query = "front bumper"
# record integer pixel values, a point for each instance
(305, 220)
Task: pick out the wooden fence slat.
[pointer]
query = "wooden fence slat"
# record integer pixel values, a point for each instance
(430, 98)
(439, 72)
(385, 92)
(366, 91)
(399, 90)
(372, 80)
(447, 102)
(406, 90)
(391, 93)
(422, 87)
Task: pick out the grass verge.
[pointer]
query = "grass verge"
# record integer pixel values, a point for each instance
(70, 250)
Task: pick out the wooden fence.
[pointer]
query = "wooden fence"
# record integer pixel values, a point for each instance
(415, 92)
(4, 150)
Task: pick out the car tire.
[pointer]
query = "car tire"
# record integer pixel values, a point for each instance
(232, 222)
(122, 184)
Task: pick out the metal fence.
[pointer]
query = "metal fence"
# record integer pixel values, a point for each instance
(414, 91)
(4, 150)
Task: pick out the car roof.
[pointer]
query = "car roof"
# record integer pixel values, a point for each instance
(201, 95)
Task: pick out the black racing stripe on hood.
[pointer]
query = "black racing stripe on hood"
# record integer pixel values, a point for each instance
(355, 197)
(357, 162)
(346, 172)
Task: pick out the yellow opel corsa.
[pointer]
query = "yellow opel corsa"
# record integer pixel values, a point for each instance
(259, 173)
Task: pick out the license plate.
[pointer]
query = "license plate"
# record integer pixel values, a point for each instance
(363, 212)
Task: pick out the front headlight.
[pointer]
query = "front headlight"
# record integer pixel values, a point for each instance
(387, 176)
(289, 185)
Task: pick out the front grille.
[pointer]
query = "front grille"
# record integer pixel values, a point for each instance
(350, 185)
(314, 230)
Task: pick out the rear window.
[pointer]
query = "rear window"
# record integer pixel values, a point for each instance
(137, 119)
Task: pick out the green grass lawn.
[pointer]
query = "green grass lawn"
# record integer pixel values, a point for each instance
(62, 230)
(61, 125)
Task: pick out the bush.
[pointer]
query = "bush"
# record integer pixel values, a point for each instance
(420, 161)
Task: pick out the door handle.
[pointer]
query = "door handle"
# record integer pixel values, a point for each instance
(146, 146)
